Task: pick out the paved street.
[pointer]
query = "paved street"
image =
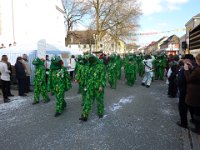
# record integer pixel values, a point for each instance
(136, 118)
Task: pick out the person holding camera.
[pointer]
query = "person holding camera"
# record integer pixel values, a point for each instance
(182, 88)
(193, 88)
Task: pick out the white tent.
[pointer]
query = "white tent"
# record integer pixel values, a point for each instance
(31, 50)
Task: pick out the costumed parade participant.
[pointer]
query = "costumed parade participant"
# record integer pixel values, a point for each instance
(39, 81)
(59, 81)
(119, 66)
(126, 65)
(94, 87)
(81, 76)
(78, 72)
(156, 67)
(148, 70)
(140, 65)
(161, 66)
(131, 71)
(112, 71)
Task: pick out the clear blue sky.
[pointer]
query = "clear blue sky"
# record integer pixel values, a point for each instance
(164, 15)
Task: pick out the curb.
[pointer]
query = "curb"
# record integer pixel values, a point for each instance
(191, 141)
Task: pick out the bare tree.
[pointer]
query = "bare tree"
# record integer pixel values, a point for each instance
(116, 17)
(74, 12)
(124, 21)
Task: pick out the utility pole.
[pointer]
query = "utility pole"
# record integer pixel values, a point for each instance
(13, 19)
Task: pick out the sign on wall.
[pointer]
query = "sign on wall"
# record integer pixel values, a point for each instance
(41, 52)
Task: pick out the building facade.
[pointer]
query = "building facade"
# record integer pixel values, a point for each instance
(171, 45)
(159, 42)
(86, 42)
(190, 25)
(81, 40)
(182, 44)
(194, 40)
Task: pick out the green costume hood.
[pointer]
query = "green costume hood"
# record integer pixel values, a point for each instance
(56, 63)
(38, 62)
(92, 59)
(112, 58)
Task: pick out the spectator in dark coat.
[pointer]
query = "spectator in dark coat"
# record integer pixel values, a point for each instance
(21, 76)
(182, 86)
(193, 90)
(173, 81)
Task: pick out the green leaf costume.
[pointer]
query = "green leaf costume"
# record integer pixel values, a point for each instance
(159, 67)
(78, 70)
(39, 81)
(94, 87)
(131, 71)
(113, 72)
(140, 65)
(126, 63)
(59, 82)
(156, 68)
(81, 76)
(119, 66)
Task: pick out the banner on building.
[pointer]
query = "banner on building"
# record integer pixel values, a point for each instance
(160, 32)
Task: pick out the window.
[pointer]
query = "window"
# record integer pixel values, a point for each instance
(72, 40)
(84, 46)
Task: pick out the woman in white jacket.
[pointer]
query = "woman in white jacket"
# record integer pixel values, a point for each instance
(5, 78)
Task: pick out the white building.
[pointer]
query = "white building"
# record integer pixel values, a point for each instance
(182, 44)
(25, 21)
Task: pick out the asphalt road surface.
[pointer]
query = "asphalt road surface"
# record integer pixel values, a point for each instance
(136, 118)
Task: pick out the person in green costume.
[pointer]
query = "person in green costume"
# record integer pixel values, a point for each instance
(131, 71)
(119, 66)
(81, 76)
(94, 87)
(139, 65)
(126, 63)
(78, 71)
(59, 82)
(162, 66)
(112, 72)
(156, 67)
(134, 66)
(39, 81)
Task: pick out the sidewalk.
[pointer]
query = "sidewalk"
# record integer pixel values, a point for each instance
(194, 138)
(14, 91)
